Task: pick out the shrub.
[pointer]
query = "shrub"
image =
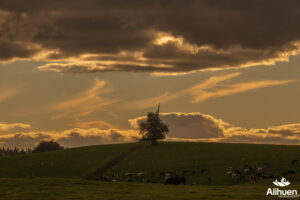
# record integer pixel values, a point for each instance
(47, 146)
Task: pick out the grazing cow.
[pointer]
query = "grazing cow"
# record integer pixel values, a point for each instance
(235, 176)
(259, 169)
(203, 171)
(140, 174)
(246, 170)
(128, 174)
(176, 180)
(294, 162)
(167, 175)
(229, 171)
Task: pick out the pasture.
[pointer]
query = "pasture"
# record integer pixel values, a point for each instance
(67, 189)
(207, 163)
(139, 175)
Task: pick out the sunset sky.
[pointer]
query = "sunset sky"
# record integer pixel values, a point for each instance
(86, 72)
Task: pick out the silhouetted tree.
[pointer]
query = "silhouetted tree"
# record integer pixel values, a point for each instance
(13, 151)
(153, 128)
(47, 146)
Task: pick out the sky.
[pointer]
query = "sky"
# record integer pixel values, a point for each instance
(87, 73)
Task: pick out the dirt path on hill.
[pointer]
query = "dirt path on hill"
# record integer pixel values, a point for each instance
(101, 171)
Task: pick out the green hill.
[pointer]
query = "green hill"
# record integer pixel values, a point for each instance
(68, 163)
(213, 158)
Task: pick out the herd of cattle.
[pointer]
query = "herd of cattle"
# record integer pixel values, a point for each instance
(257, 172)
(247, 173)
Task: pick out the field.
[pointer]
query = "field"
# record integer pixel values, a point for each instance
(214, 158)
(62, 174)
(68, 163)
(66, 189)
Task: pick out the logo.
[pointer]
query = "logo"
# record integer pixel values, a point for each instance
(282, 183)
(282, 193)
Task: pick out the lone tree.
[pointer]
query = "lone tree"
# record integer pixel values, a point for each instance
(47, 146)
(153, 128)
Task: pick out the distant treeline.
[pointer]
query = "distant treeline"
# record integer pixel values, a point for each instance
(14, 151)
(43, 146)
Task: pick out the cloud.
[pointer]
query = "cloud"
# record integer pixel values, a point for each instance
(12, 126)
(85, 102)
(198, 127)
(69, 138)
(163, 37)
(189, 125)
(8, 93)
(214, 87)
(93, 124)
(202, 94)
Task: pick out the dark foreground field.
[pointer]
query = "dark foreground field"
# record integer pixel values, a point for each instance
(65, 189)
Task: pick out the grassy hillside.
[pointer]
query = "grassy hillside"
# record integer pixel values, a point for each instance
(214, 157)
(64, 189)
(166, 157)
(75, 162)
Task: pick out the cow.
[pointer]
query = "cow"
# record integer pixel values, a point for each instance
(127, 174)
(176, 180)
(140, 174)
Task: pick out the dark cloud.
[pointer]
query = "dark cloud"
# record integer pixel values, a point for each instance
(237, 33)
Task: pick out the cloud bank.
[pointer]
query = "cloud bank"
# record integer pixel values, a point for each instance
(173, 37)
(197, 127)
(192, 127)
(69, 138)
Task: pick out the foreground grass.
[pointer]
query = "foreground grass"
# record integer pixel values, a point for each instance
(65, 189)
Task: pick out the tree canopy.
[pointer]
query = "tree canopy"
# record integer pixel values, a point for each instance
(153, 128)
(47, 146)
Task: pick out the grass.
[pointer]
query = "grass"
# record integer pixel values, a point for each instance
(67, 189)
(165, 157)
(75, 162)
(214, 157)
(59, 175)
